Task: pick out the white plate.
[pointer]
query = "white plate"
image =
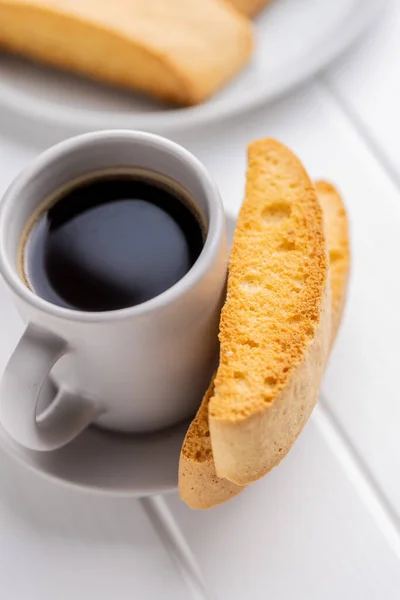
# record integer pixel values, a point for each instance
(97, 461)
(295, 39)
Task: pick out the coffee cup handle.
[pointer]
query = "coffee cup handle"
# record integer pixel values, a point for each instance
(24, 377)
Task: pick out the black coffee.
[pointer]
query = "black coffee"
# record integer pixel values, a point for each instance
(111, 242)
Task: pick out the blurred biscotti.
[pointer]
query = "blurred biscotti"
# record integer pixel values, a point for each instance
(180, 51)
(249, 7)
(199, 485)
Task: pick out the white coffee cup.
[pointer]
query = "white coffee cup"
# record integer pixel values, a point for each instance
(137, 369)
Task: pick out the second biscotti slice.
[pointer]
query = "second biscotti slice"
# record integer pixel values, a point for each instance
(337, 234)
(181, 51)
(275, 325)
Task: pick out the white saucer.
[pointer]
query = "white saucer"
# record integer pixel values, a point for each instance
(108, 463)
(292, 43)
(97, 461)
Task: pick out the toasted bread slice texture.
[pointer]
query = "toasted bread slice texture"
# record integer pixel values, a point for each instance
(338, 240)
(180, 51)
(250, 7)
(199, 485)
(275, 325)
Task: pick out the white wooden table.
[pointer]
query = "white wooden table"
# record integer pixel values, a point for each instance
(326, 523)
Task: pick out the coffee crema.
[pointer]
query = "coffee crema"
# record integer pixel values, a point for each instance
(111, 241)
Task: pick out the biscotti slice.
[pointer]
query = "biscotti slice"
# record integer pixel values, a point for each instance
(275, 325)
(337, 235)
(181, 51)
(199, 485)
(249, 7)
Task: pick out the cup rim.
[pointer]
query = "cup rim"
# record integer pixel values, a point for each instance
(180, 288)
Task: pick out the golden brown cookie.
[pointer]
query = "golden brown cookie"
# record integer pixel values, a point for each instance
(337, 236)
(249, 7)
(181, 51)
(199, 485)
